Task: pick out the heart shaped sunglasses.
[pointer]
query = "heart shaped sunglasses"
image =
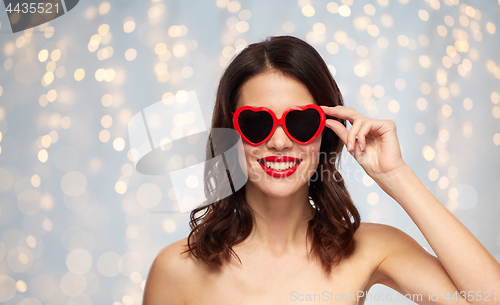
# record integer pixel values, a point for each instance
(302, 124)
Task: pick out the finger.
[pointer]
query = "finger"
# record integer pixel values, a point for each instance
(353, 133)
(338, 128)
(362, 134)
(341, 112)
(374, 127)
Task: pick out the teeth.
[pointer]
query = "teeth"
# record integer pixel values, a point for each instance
(279, 166)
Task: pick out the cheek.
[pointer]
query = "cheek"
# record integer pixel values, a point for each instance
(249, 151)
(312, 150)
(251, 154)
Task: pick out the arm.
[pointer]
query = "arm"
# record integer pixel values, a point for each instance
(463, 260)
(466, 261)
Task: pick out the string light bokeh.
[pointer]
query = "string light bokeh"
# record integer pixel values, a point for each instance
(78, 224)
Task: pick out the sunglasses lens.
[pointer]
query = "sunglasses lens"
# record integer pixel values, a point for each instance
(303, 125)
(255, 126)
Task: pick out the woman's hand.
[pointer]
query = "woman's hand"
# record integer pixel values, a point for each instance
(373, 143)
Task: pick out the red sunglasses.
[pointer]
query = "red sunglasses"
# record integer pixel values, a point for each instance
(301, 124)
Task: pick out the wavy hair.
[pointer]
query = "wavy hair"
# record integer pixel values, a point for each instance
(217, 227)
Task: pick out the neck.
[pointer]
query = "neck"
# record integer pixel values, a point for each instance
(280, 222)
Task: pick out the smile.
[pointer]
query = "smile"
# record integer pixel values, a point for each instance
(279, 167)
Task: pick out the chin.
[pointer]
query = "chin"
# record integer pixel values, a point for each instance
(277, 192)
(278, 188)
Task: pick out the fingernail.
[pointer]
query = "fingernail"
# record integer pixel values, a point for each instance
(360, 147)
(348, 146)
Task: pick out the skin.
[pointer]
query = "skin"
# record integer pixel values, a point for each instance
(274, 258)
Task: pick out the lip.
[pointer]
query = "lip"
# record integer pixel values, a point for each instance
(279, 174)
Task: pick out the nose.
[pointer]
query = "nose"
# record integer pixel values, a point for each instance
(279, 140)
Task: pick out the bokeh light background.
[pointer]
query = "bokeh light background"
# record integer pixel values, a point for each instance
(80, 226)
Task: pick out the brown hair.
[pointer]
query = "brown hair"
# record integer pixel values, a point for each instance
(215, 228)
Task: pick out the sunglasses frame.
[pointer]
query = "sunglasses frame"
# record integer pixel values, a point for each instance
(280, 121)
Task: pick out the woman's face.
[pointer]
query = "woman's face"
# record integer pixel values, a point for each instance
(276, 91)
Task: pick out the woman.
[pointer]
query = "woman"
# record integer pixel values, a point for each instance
(292, 233)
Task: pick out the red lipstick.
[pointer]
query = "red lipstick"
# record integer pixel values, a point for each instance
(278, 159)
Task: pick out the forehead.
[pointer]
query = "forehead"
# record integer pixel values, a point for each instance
(275, 91)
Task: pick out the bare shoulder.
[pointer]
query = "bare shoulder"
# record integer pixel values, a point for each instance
(171, 275)
(379, 236)
(373, 237)
(382, 240)
(405, 265)
(172, 256)
(385, 241)
(371, 243)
